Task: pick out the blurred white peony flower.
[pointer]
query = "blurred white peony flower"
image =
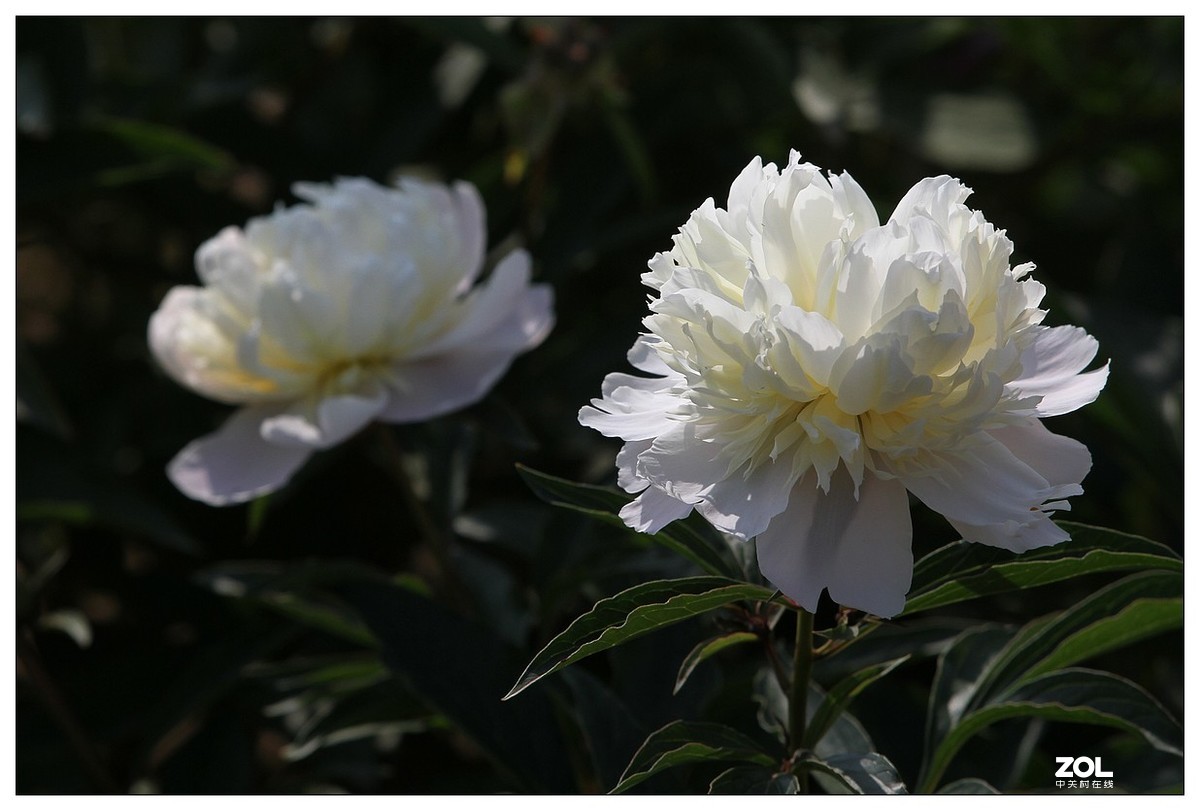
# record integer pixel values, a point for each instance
(813, 365)
(322, 317)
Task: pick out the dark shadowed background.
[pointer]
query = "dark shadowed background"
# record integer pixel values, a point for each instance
(169, 646)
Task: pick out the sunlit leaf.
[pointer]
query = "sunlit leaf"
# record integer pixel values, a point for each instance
(707, 648)
(683, 742)
(1134, 608)
(964, 571)
(861, 773)
(633, 613)
(699, 545)
(754, 780)
(1076, 695)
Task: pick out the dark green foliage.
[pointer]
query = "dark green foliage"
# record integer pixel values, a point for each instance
(310, 642)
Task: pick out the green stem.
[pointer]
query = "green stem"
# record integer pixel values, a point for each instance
(801, 674)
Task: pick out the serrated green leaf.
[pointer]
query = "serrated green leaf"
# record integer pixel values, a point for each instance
(1076, 695)
(708, 648)
(754, 780)
(633, 613)
(964, 571)
(837, 699)
(1123, 612)
(683, 742)
(698, 544)
(861, 773)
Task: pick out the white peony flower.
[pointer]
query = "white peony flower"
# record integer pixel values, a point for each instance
(813, 367)
(357, 306)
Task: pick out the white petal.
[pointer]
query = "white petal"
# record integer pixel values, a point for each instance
(627, 477)
(1051, 368)
(1060, 460)
(326, 421)
(653, 510)
(1014, 536)
(430, 387)
(859, 550)
(632, 408)
(504, 312)
(235, 464)
(229, 262)
(931, 197)
(472, 230)
(744, 505)
(980, 484)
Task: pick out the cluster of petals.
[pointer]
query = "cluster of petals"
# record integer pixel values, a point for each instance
(359, 304)
(809, 368)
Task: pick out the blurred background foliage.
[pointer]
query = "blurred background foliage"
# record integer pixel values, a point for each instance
(308, 642)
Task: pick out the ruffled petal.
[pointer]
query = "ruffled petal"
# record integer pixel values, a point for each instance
(982, 484)
(653, 510)
(860, 550)
(235, 464)
(1051, 366)
(743, 505)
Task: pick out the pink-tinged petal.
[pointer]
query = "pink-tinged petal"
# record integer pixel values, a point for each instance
(324, 422)
(860, 550)
(1051, 366)
(981, 484)
(653, 510)
(235, 464)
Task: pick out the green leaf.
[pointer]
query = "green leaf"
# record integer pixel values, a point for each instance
(837, 699)
(1123, 612)
(959, 671)
(698, 543)
(916, 638)
(861, 773)
(611, 731)
(708, 648)
(632, 613)
(963, 571)
(458, 668)
(754, 780)
(969, 785)
(683, 742)
(1076, 695)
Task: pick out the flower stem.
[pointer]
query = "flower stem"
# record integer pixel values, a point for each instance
(801, 673)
